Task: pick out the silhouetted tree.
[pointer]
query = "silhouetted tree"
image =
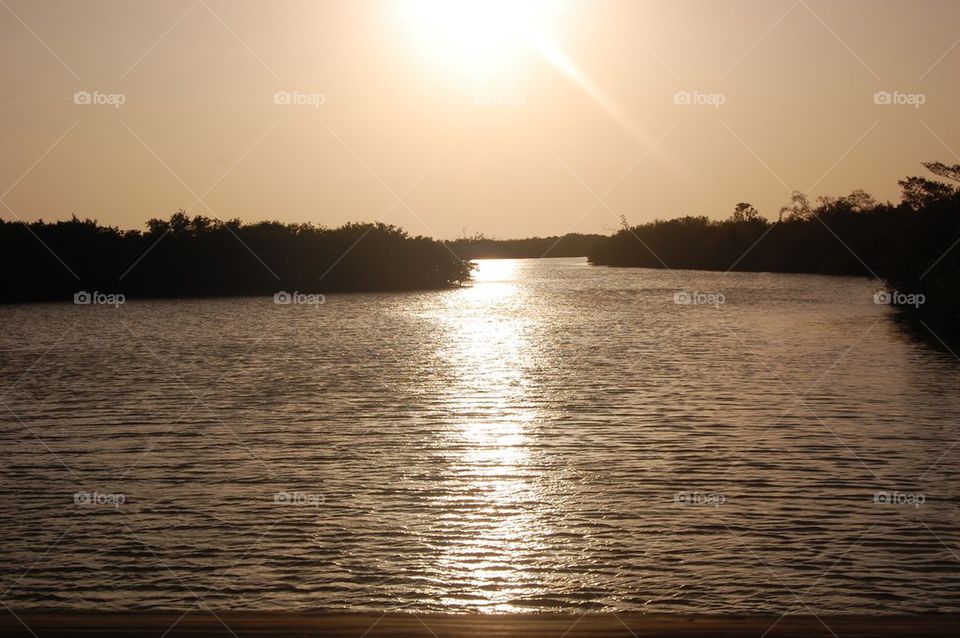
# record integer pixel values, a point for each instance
(745, 212)
(943, 170)
(910, 244)
(201, 256)
(798, 209)
(918, 192)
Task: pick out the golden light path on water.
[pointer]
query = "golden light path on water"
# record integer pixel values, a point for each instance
(488, 345)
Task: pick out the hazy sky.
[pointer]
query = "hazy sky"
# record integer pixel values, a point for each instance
(509, 118)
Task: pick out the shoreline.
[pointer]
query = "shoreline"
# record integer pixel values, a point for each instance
(52, 624)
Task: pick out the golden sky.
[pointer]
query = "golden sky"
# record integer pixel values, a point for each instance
(512, 118)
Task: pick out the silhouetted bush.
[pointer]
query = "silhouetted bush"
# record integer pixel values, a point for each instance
(909, 244)
(199, 256)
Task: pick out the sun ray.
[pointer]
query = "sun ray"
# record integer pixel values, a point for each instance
(555, 56)
(489, 40)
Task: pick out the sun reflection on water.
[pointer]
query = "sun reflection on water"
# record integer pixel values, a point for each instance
(491, 523)
(495, 270)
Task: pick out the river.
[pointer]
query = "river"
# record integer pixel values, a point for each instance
(555, 437)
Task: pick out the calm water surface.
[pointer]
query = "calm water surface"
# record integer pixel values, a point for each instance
(555, 437)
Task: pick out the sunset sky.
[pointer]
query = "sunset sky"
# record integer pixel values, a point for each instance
(507, 118)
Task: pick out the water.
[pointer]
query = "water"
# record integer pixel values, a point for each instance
(557, 437)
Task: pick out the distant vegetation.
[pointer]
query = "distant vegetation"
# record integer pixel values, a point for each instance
(199, 256)
(913, 245)
(909, 244)
(481, 247)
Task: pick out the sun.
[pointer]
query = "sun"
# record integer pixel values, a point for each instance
(476, 39)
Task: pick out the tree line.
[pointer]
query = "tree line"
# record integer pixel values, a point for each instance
(480, 246)
(909, 244)
(186, 256)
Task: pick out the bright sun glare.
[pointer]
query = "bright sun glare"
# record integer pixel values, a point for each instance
(478, 38)
(484, 41)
